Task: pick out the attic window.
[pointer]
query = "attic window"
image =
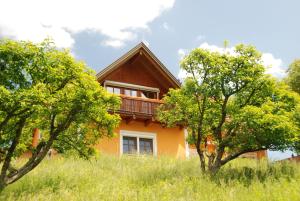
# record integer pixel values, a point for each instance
(113, 90)
(129, 92)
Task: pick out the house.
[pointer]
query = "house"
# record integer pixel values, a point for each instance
(141, 81)
(293, 158)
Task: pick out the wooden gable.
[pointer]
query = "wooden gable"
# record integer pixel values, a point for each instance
(139, 66)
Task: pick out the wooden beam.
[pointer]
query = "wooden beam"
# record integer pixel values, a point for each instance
(129, 119)
(134, 59)
(147, 122)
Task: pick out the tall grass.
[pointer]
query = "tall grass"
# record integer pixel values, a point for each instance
(144, 178)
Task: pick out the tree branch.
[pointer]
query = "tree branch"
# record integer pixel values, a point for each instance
(71, 143)
(32, 163)
(10, 152)
(251, 95)
(5, 121)
(42, 150)
(233, 156)
(201, 108)
(10, 115)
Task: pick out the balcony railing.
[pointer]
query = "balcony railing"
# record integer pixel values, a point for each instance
(139, 106)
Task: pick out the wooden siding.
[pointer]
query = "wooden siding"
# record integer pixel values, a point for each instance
(140, 71)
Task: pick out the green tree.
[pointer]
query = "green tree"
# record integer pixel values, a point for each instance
(293, 77)
(227, 97)
(42, 87)
(293, 80)
(296, 144)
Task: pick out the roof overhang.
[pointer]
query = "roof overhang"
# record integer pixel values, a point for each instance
(130, 86)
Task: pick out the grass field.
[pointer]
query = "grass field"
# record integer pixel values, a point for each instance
(143, 178)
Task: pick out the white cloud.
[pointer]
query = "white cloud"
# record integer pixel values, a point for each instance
(215, 48)
(181, 53)
(118, 20)
(274, 66)
(113, 43)
(182, 75)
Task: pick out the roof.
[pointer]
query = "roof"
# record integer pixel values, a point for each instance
(129, 55)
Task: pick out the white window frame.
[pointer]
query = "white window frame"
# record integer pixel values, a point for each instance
(138, 135)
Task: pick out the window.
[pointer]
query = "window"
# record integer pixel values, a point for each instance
(133, 142)
(131, 89)
(110, 89)
(117, 91)
(149, 94)
(146, 146)
(129, 92)
(129, 145)
(113, 90)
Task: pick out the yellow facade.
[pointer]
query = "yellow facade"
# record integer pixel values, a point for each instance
(168, 142)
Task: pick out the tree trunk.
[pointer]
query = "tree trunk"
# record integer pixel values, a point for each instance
(214, 169)
(202, 159)
(6, 164)
(33, 162)
(2, 185)
(211, 159)
(216, 164)
(202, 163)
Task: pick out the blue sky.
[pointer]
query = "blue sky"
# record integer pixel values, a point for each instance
(269, 25)
(99, 31)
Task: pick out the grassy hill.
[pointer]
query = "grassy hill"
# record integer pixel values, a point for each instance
(144, 178)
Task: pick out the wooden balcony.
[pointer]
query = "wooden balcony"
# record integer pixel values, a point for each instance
(138, 108)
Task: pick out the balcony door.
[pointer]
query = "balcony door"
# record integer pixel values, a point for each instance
(140, 143)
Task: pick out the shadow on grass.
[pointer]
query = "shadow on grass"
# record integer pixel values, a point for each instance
(247, 175)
